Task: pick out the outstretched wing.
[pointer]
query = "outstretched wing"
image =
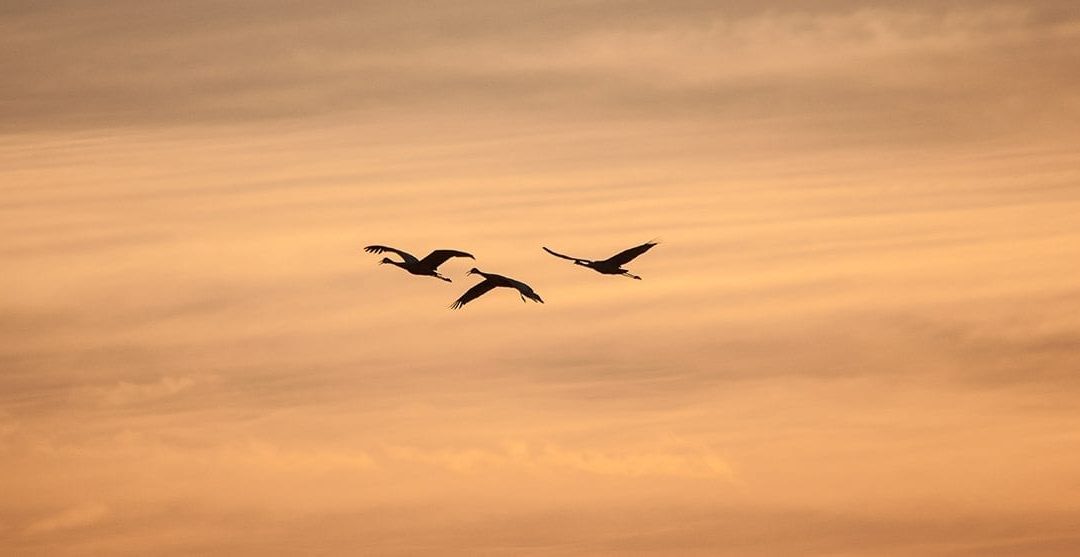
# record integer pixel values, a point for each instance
(439, 256)
(574, 259)
(525, 290)
(473, 293)
(408, 257)
(626, 256)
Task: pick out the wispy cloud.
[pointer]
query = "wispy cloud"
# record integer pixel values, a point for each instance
(911, 74)
(75, 517)
(550, 458)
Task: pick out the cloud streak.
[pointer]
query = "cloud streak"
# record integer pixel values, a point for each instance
(864, 73)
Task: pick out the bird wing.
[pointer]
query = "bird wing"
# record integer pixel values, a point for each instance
(525, 290)
(626, 256)
(408, 257)
(479, 289)
(564, 256)
(439, 256)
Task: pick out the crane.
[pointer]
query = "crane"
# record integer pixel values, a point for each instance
(425, 267)
(612, 265)
(490, 282)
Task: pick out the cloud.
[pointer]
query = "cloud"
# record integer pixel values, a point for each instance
(124, 392)
(553, 458)
(72, 518)
(1016, 345)
(872, 73)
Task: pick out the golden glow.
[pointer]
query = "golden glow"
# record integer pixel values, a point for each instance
(858, 336)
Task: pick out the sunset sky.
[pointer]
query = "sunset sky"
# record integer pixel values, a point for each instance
(858, 336)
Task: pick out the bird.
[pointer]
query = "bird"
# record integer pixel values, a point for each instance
(424, 267)
(490, 282)
(612, 265)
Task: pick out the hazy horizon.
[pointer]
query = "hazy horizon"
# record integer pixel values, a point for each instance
(859, 334)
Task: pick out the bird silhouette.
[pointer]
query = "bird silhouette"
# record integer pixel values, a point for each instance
(491, 282)
(426, 267)
(612, 265)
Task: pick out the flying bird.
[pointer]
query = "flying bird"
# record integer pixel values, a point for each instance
(426, 267)
(612, 265)
(491, 282)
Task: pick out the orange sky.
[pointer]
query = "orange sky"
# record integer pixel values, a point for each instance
(859, 335)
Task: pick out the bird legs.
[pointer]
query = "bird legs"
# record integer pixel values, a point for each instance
(627, 274)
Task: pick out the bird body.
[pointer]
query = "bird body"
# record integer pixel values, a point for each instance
(612, 265)
(428, 266)
(492, 281)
